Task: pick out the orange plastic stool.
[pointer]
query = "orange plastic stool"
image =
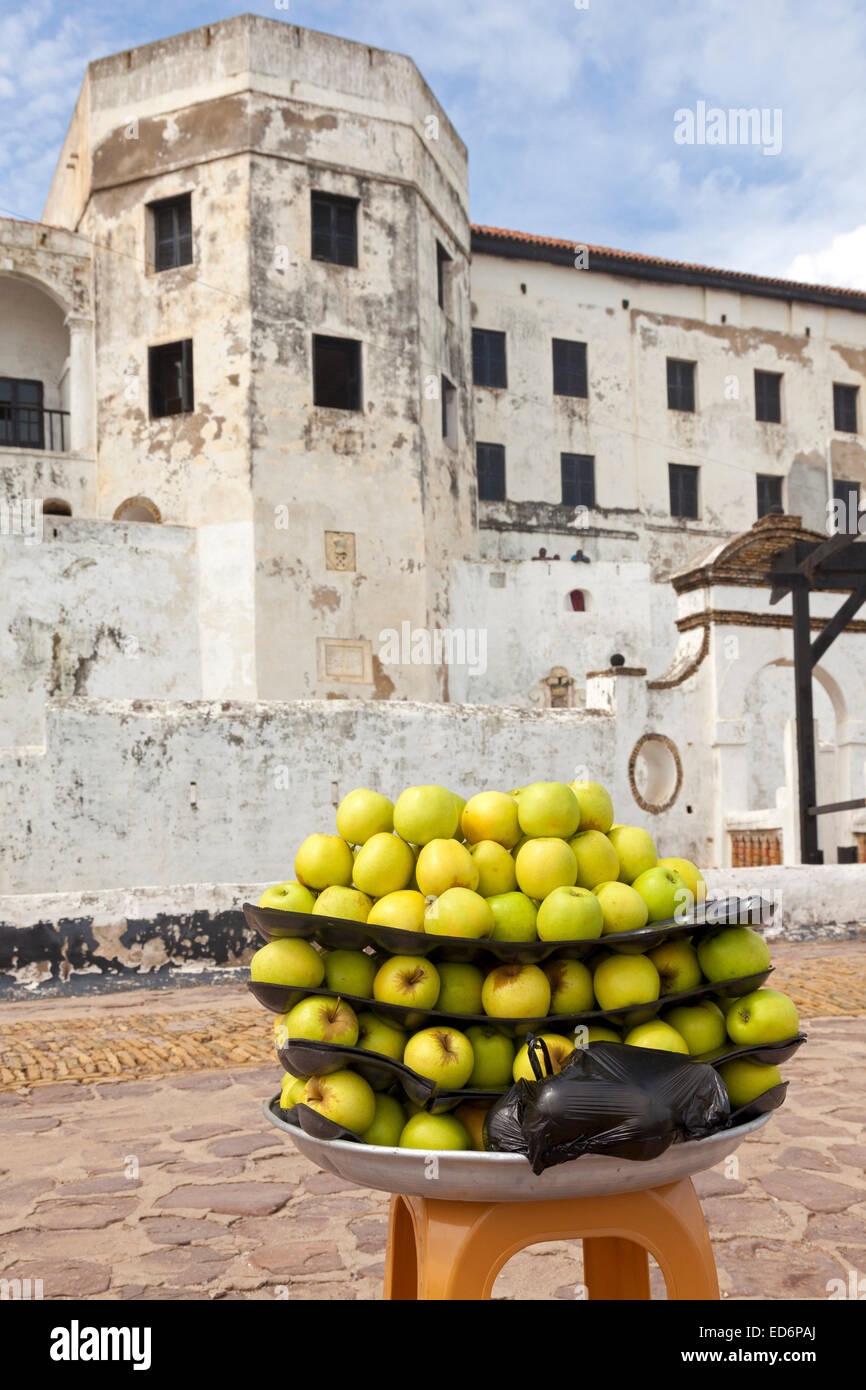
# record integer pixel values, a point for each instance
(454, 1250)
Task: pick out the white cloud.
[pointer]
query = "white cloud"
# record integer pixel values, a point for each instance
(842, 262)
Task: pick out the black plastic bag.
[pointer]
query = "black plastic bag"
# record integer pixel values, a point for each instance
(628, 1102)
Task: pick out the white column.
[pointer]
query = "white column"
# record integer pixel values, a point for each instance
(730, 783)
(82, 388)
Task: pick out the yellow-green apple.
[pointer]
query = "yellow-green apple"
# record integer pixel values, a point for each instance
(459, 912)
(657, 1035)
(691, 876)
(548, 809)
(677, 964)
(409, 980)
(344, 1097)
(596, 857)
(516, 991)
(495, 868)
(494, 1057)
(664, 893)
(598, 1033)
(570, 987)
(746, 1079)
(596, 807)
(350, 972)
(388, 1122)
(363, 813)
(319, 1019)
(426, 813)
(544, 864)
(702, 1025)
(381, 1035)
(622, 909)
(764, 1016)
(514, 917)
(560, 1049)
(491, 816)
(404, 910)
(459, 802)
(569, 914)
(288, 897)
(323, 860)
(291, 1090)
(288, 961)
(348, 903)
(472, 1118)
(622, 982)
(385, 864)
(444, 864)
(432, 1132)
(635, 850)
(460, 988)
(443, 1054)
(732, 952)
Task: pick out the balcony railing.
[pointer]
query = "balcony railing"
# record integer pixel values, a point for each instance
(31, 427)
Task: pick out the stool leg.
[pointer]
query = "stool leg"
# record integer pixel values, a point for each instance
(401, 1258)
(681, 1241)
(453, 1265)
(614, 1268)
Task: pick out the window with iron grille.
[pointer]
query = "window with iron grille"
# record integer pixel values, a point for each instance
(578, 480)
(335, 228)
(336, 372)
(21, 419)
(768, 397)
(488, 357)
(683, 480)
(845, 408)
(170, 378)
(569, 368)
(443, 260)
(681, 384)
(490, 466)
(172, 232)
(769, 494)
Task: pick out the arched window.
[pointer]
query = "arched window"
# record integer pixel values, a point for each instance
(138, 509)
(55, 506)
(577, 599)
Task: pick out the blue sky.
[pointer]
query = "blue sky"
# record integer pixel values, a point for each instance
(568, 112)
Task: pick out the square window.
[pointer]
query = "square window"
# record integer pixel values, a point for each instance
(569, 368)
(683, 480)
(170, 378)
(845, 408)
(336, 372)
(21, 415)
(578, 480)
(768, 398)
(335, 228)
(488, 358)
(443, 260)
(769, 494)
(681, 384)
(171, 225)
(490, 466)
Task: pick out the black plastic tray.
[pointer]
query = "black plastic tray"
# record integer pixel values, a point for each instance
(774, 1053)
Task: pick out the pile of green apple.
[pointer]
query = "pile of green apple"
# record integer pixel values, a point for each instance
(543, 862)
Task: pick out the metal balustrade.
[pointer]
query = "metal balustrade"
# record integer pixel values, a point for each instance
(33, 427)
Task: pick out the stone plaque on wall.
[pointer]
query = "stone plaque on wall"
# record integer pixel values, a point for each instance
(343, 659)
(340, 550)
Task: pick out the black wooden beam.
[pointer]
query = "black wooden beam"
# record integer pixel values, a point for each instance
(857, 804)
(830, 631)
(809, 851)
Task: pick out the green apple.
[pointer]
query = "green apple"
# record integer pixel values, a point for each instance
(622, 982)
(622, 909)
(459, 802)
(363, 813)
(444, 864)
(571, 989)
(426, 813)
(288, 897)
(746, 1079)
(548, 809)
(388, 1122)
(514, 917)
(596, 807)
(544, 864)
(404, 910)
(381, 1035)
(691, 876)
(596, 857)
(346, 903)
(702, 1025)
(677, 964)
(432, 1132)
(460, 991)
(291, 1090)
(319, 1019)
(344, 1097)
(598, 1033)
(444, 1055)
(559, 1047)
(664, 893)
(494, 1057)
(764, 1016)
(459, 912)
(516, 991)
(490, 816)
(288, 961)
(659, 1036)
(385, 864)
(350, 972)
(409, 980)
(495, 868)
(635, 850)
(732, 952)
(472, 1118)
(570, 914)
(323, 860)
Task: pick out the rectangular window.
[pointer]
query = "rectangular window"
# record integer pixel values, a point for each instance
(769, 494)
(335, 229)
(443, 260)
(681, 384)
(172, 232)
(170, 377)
(578, 480)
(336, 372)
(488, 357)
(490, 466)
(21, 418)
(848, 494)
(845, 408)
(683, 479)
(449, 412)
(569, 368)
(768, 398)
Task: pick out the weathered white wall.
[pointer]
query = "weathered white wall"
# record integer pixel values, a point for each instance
(34, 343)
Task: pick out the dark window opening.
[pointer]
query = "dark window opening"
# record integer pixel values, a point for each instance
(172, 232)
(56, 506)
(335, 229)
(769, 494)
(490, 466)
(449, 411)
(683, 479)
(845, 408)
(170, 376)
(768, 397)
(578, 480)
(848, 493)
(336, 373)
(21, 414)
(681, 384)
(569, 368)
(443, 260)
(488, 357)
(578, 600)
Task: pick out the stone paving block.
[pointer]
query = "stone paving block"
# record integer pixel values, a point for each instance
(70, 1280)
(813, 1192)
(234, 1199)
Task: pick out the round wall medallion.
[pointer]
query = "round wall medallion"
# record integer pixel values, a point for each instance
(655, 773)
